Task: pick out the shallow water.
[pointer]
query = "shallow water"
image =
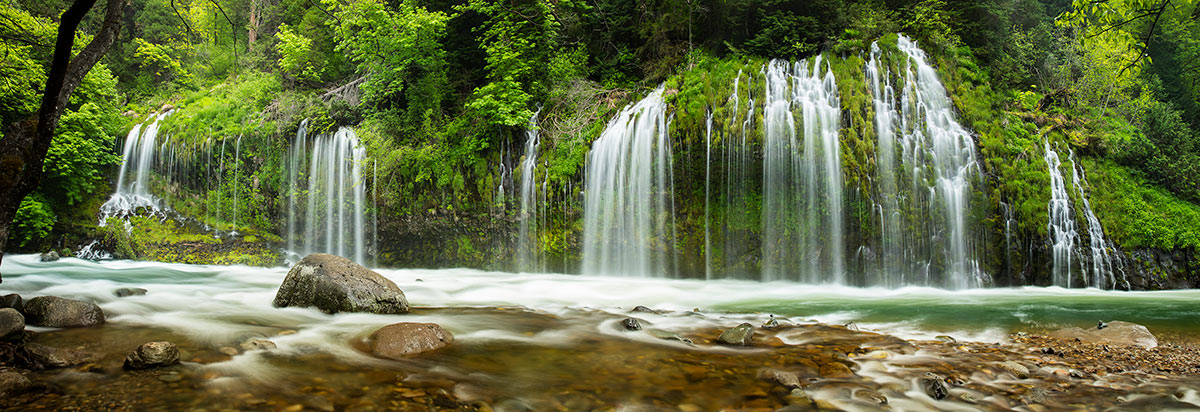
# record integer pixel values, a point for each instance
(524, 337)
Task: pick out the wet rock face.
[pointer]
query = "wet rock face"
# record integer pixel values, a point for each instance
(740, 335)
(11, 323)
(400, 340)
(631, 324)
(1114, 333)
(934, 387)
(152, 355)
(56, 312)
(335, 284)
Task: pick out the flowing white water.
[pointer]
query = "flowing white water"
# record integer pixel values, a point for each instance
(527, 238)
(939, 168)
(628, 218)
(333, 195)
(895, 254)
(1061, 224)
(708, 127)
(802, 229)
(137, 159)
(1104, 265)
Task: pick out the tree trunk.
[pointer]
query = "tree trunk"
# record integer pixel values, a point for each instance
(23, 149)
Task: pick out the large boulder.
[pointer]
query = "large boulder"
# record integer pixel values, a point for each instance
(11, 323)
(335, 284)
(153, 355)
(400, 340)
(56, 312)
(1114, 333)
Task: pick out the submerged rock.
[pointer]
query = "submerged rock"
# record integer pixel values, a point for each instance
(52, 357)
(668, 335)
(784, 378)
(934, 387)
(741, 335)
(643, 309)
(335, 284)
(255, 344)
(400, 340)
(631, 324)
(12, 383)
(1113, 333)
(127, 292)
(56, 312)
(12, 323)
(153, 355)
(50, 256)
(14, 301)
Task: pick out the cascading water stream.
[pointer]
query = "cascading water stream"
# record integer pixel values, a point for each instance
(527, 240)
(627, 214)
(1104, 265)
(137, 158)
(1061, 224)
(934, 178)
(327, 205)
(802, 229)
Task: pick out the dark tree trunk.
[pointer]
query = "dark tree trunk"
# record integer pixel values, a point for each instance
(23, 149)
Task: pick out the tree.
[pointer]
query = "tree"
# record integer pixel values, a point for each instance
(23, 150)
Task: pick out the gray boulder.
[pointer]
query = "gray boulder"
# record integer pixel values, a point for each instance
(14, 301)
(50, 256)
(741, 335)
(56, 312)
(934, 387)
(335, 284)
(400, 340)
(152, 355)
(12, 323)
(1114, 333)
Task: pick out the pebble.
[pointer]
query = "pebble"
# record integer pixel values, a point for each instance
(170, 377)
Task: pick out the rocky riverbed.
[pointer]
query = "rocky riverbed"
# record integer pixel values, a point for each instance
(793, 367)
(183, 337)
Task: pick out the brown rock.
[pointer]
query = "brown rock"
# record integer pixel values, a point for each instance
(12, 383)
(400, 340)
(836, 370)
(153, 355)
(51, 357)
(11, 323)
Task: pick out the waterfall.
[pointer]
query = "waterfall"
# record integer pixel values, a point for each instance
(527, 238)
(708, 126)
(1061, 223)
(628, 218)
(137, 158)
(894, 249)
(237, 181)
(927, 172)
(1104, 265)
(737, 225)
(802, 229)
(326, 205)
